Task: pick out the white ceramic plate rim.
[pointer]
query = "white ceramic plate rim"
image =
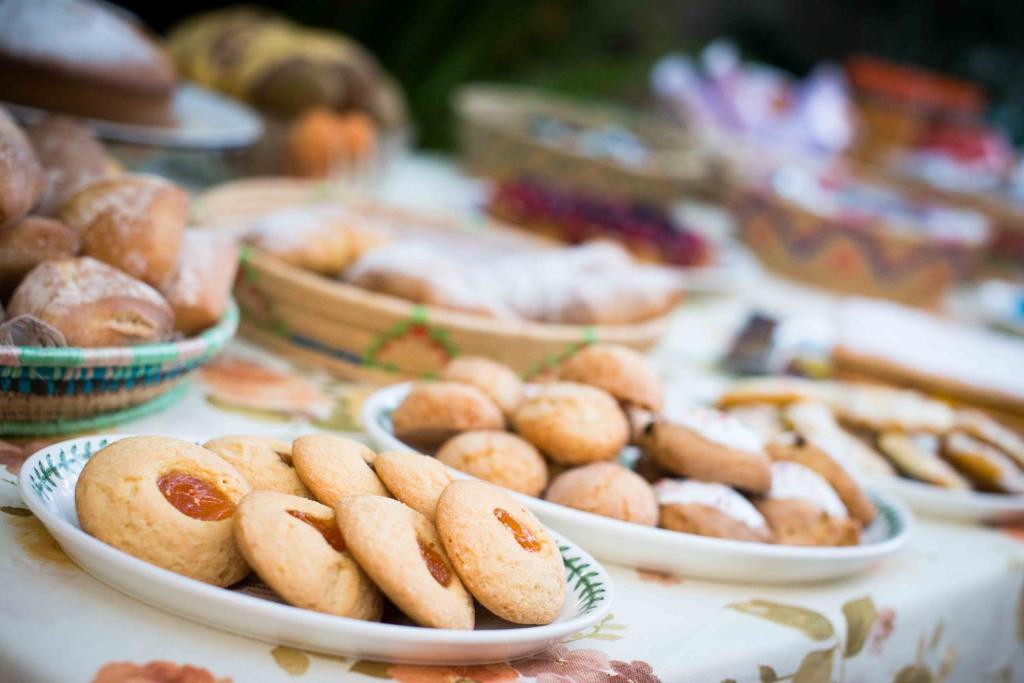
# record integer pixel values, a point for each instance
(979, 502)
(388, 397)
(168, 580)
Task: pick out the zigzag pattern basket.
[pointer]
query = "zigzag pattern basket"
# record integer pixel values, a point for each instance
(64, 390)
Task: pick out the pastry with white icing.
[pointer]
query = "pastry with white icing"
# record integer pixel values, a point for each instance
(709, 445)
(709, 509)
(803, 509)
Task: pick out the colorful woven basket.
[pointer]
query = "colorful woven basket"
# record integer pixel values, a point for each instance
(65, 390)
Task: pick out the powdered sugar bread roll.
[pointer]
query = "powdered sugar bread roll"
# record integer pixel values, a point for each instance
(71, 157)
(198, 290)
(21, 176)
(315, 238)
(26, 243)
(133, 222)
(93, 304)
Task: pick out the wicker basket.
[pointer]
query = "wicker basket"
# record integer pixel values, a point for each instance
(865, 259)
(65, 390)
(375, 337)
(496, 140)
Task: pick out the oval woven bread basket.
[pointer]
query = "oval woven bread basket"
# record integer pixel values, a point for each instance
(368, 336)
(46, 391)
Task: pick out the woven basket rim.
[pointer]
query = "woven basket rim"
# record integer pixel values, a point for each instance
(204, 344)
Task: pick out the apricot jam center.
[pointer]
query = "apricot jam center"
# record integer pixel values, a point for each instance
(327, 528)
(524, 537)
(195, 497)
(435, 564)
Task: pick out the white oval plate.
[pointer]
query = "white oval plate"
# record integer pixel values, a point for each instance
(644, 547)
(47, 484)
(965, 506)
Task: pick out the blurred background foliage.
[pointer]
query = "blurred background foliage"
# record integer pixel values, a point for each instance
(604, 48)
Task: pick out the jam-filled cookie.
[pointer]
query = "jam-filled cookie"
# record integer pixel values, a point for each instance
(501, 458)
(265, 462)
(573, 423)
(498, 381)
(708, 445)
(622, 372)
(165, 501)
(802, 509)
(795, 448)
(416, 480)
(986, 466)
(401, 551)
(433, 412)
(333, 467)
(296, 547)
(607, 489)
(709, 509)
(506, 558)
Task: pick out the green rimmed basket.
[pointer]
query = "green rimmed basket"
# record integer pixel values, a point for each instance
(66, 390)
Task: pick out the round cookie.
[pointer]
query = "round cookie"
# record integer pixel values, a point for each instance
(333, 467)
(506, 558)
(709, 509)
(501, 458)
(416, 480)
(498, 381)
(401, 551)
(573, 424)
(433, 412)
(710, 446)
(265, 462)
(619, 370)
(607, 489)
(165, 501)
(295, 546)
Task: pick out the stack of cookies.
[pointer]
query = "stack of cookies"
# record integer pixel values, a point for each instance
(881, 430)
(90, 256)
(704, 472)
(328, 525)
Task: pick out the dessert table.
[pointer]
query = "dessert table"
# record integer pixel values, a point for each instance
(949, 607)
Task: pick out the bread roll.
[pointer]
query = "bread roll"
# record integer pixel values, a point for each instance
(28, 242)
(317, 238)
(198, 291)
(92, 304)
(71, 157)
(133, 222)
(21, 176)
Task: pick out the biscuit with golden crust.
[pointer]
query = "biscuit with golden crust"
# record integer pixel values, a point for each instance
(401, 551)
(504, 555)
(416, 480)
(295, 546)
(433, 412)
(607, 489)
(165, 501)
(333, 467)
(501, 458)
(622, 372)
(573, 424)
(498, 381)
(265, 462)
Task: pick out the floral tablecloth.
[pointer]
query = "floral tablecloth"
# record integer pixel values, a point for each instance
(950, 607)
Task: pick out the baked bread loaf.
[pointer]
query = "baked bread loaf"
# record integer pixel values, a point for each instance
(27, 243)
(83, 58)
(316, 238)
(71, 157)
(199, 288)
(133, 222)
(21, 176)
(92, 304)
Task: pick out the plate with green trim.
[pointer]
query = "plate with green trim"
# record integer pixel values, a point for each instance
(47, 483)
(718, 559)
